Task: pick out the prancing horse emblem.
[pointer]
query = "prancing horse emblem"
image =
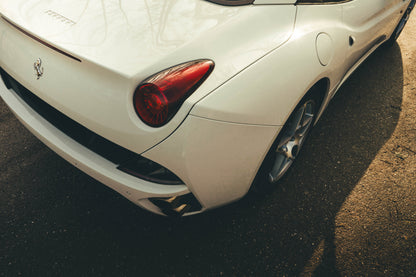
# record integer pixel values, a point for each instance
(38, 68)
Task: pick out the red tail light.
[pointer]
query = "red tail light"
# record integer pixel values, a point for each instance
(159, 97)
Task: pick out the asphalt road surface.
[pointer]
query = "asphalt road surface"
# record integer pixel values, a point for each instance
(347, 207)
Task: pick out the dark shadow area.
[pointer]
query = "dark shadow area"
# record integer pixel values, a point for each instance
(57, 221)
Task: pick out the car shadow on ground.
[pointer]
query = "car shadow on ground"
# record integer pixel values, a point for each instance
(88, 229)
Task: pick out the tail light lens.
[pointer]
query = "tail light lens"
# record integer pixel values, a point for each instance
(158, 98)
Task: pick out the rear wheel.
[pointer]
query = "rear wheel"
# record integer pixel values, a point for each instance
(288, 143)
(292, 139)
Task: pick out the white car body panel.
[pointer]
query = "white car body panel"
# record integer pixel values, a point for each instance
(267, 57)
(254, 101)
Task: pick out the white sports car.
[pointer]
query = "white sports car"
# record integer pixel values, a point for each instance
(183, 105)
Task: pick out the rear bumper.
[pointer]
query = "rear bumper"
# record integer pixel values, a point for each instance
(136, 190)
(217, 160)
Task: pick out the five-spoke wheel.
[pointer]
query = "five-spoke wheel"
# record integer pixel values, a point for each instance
(292, 138)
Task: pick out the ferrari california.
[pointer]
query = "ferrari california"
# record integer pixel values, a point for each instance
(182, 106)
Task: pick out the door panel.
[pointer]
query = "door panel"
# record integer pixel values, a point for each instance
(369, 22)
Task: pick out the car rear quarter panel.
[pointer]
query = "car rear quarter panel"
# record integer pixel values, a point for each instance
(266, 92)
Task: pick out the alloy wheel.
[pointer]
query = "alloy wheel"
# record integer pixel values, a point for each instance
(292, 139)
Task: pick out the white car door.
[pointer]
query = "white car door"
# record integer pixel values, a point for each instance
(369, 22)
